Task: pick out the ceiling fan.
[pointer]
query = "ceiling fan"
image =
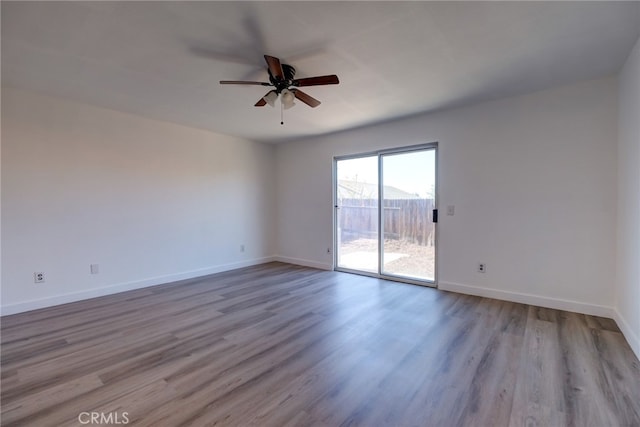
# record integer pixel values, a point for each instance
(281, 77)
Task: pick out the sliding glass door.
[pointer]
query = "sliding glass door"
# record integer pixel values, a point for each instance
(357, 214)
(384, 205)
(408, 196)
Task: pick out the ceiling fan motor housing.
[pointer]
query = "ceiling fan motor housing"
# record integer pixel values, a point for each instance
(289, 73)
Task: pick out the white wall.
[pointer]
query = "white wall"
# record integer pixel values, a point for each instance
(149, 201)
(533, 179)
(627, 301)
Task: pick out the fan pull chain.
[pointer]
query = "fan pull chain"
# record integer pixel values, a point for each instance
(281, 114)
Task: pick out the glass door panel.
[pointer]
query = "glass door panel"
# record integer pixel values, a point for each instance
(357, 214)
(408, 199)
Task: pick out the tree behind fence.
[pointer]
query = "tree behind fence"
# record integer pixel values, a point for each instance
(406, 219)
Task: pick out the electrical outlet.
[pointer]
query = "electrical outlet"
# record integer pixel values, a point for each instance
(38, 277)
(241, 248)
(451, 210)
(94, 268)
(482, 267)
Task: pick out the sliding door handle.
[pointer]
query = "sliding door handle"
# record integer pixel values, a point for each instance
(434, 215)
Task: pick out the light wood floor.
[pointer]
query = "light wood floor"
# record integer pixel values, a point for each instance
(280, 345)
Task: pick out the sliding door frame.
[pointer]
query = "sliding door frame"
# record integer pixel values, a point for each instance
(380, 154)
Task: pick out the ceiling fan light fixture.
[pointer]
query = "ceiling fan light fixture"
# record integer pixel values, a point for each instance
(287, 97)
(271, 98)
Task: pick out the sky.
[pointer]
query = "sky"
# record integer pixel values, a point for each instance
(413, 172)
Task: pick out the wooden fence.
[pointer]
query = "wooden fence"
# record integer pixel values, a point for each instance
(406, 219)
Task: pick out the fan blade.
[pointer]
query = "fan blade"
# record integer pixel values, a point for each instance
(242, 82)
(317, 81)
(261, 103)
(307, 99)
(274, 67)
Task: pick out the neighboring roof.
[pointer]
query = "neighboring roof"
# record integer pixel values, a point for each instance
(362, 190)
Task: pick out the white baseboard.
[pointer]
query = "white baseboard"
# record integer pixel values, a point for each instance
(127, 286)
(304, 262)
(559, 304)
(629, 334)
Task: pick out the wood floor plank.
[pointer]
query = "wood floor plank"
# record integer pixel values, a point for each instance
(52, 396)
(538, 398)
(283, 345)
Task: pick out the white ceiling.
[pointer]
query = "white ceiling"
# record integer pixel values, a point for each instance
(163, 60)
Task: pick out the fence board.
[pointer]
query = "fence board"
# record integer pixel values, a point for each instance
(406, 219)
